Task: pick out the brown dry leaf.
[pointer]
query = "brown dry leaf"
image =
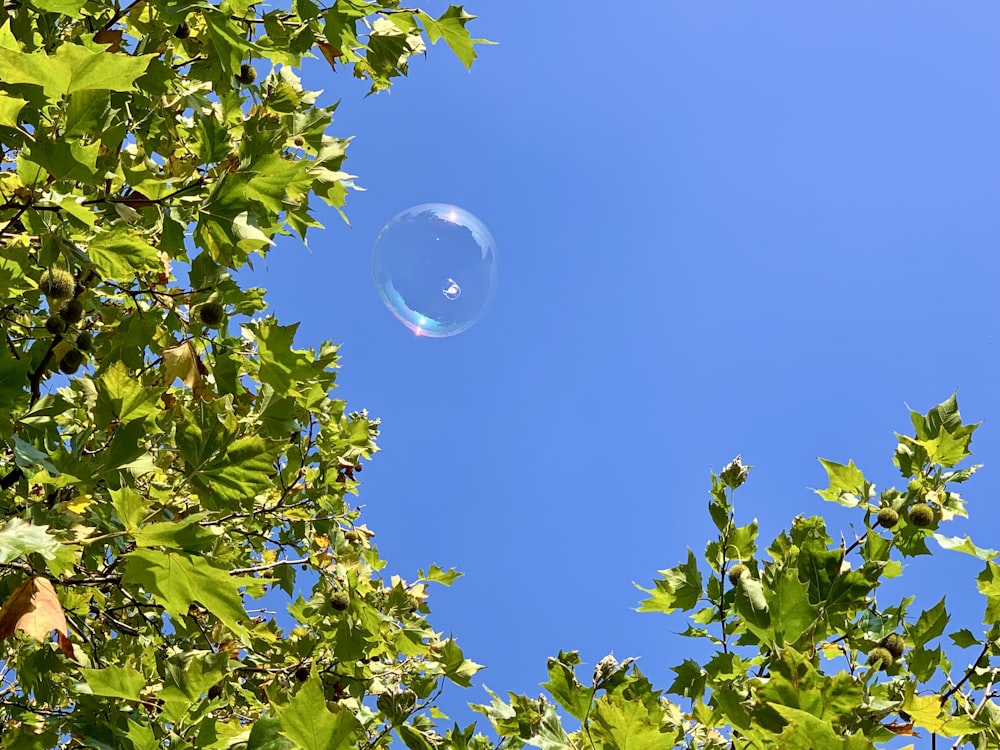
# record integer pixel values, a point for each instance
(180, 361)
(34, 609)
(66, 645)
(110, 37)
(163, 277)
(899, 727)
(330, 53)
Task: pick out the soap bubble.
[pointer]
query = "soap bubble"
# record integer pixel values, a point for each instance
(435, 268)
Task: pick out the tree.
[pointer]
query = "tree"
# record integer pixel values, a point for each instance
(803, 653)
(169, 454)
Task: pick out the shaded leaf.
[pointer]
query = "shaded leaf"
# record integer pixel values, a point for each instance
(115, 682)
(308, 722)
(19, 537)
(177, 580)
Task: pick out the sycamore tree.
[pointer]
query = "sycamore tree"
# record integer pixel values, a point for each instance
(171, 462)
(182, 564)
(803, 648)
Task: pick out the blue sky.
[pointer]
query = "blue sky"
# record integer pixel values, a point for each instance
(757, 228)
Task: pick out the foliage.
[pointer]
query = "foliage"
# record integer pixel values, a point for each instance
(169, 455)
(803, 653)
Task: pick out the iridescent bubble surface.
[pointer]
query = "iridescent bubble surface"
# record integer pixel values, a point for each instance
(435, 268)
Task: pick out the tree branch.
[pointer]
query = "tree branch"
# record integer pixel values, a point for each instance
(267, 566)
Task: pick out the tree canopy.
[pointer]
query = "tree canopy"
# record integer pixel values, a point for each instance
(803, 651)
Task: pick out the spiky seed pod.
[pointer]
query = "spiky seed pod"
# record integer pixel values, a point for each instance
(894, 644)
(921, 515)
(71, 311)
(887, 517)
(248, 74)
(55, 325)
(881, 655)
(70, 362)
(340, 600)
(84, 341)
(211, 314)
(58, 283)
(737, 572)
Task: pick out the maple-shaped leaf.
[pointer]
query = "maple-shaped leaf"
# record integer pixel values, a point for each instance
(308, 721)
(176, 581)
(451, 27)
(34, 609)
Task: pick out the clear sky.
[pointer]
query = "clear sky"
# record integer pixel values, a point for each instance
(757, 228)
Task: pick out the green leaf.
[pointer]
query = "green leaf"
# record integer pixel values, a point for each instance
(742, 542)
(930, 624)
(10, 108)
(64, 160)
(176, 581)
(191, 674)
(942, 434)
(925, 712)
(18, 537)
(960, 544)
(818, 567)
(141, 736)
(791, 611)
(281, 365)
(413, 738)
(115, 682)
(943, 416)
(459, 669)
(187, 535)
(752, 606)
(439, 575)
(121, 253)
(130, 507)
(308, 722)
(962, 725)
(629, 725)
(266, 735)
(69, 8)
(964, 638)
(28, 456)
(680, 588)
(804, 731)
(924, 662)
(690, 681)
(237, 474)
(122, 398)
(276, 182)
(73, 68)
(86, 112)
(566, 688)
(988, 583)
(451, 27)
(847, 484)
